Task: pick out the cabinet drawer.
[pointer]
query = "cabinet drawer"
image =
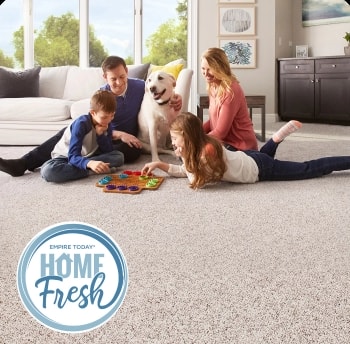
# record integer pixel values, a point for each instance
(333, 66)
(297, 66)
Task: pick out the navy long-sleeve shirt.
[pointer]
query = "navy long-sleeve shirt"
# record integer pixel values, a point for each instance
(80, 141)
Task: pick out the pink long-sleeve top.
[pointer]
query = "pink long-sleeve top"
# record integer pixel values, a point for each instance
(230, 121)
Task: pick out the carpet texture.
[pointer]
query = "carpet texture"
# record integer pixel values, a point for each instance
(262, 263)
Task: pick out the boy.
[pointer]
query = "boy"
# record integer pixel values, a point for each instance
(86, 144)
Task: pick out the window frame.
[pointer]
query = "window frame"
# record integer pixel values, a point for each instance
(192, 41)
(83, 33)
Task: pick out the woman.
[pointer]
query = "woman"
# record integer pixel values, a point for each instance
(229, 119)
(205, 161)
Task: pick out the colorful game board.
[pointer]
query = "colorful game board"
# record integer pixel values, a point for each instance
(129, 182)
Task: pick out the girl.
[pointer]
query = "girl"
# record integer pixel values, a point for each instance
(229, 119)
(205, 160)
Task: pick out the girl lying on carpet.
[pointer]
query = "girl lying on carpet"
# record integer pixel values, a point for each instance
(206, 161)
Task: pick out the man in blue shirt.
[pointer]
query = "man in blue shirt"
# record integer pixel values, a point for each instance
(129, 95)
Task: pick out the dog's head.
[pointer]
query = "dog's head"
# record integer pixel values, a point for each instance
(160, 85)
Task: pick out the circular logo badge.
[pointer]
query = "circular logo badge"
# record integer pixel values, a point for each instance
(72, 277)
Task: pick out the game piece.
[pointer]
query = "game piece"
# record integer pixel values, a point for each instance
(105, 180)
(111, 186)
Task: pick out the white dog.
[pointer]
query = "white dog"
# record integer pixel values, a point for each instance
(156, 115)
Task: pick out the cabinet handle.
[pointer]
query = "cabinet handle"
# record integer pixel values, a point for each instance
(317, 80)
(297, 67)
(312, 81)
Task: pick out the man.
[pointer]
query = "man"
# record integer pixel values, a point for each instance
(129, 95)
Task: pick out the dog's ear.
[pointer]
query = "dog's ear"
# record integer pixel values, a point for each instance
(174, 80)
(146, 85)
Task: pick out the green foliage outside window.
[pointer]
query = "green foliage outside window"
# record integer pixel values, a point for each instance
(57, 43)
(169, 42)
(6, 61)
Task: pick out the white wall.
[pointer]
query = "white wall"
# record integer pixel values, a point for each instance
(323, 40)
(259, 81)
(278, 29)
(284, 24)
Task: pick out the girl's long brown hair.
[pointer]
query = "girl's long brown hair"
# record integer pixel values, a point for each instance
(206, 165)
(221, 69)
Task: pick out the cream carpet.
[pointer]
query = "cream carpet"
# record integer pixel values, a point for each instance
(262, 263)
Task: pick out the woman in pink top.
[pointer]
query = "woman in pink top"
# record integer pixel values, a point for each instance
(229, 119)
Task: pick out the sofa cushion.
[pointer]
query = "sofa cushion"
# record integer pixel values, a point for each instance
(37, 109)
(171, 69)
(80, 107)
(18, 84)
(138, 71)
(176, 62)
(82, 82)
(53, 81)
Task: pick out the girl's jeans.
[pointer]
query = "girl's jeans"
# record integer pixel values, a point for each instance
(59, 170)
(273, 169)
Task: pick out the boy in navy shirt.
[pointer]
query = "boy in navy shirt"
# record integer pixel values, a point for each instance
(86, 144)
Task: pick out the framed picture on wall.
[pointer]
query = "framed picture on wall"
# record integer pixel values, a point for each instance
(301, 51)
(237, 1)
(236, 20)
(325, 12)
(240, 52)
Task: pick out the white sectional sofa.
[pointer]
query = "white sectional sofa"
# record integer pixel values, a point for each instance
(63, 94)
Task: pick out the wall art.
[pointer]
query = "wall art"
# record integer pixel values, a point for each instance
(301, 51)
(236, 20)
(316, 12)
(240, 52)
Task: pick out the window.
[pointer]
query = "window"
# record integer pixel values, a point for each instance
(56, 32)
(11, 20)
(164, 36)
(131, 29)
(113, 25)
(126, 27)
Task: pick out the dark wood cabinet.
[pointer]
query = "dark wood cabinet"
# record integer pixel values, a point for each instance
(314, 89)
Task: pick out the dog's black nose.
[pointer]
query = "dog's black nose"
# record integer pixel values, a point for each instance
(153, 89)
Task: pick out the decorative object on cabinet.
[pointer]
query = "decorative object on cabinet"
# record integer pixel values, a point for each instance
(240, 52)
(314, 89)
(301, 51)
(236, 20)
(325, 12)
(347, 48)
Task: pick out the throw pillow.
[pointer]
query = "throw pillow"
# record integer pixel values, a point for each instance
(138, 71)
(176, 62)
(174, 70)
(19, 84)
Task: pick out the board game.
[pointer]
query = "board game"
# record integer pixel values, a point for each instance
(129, 182)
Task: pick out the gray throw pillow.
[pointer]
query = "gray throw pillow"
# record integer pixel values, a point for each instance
(138, 71)
(19, 84)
